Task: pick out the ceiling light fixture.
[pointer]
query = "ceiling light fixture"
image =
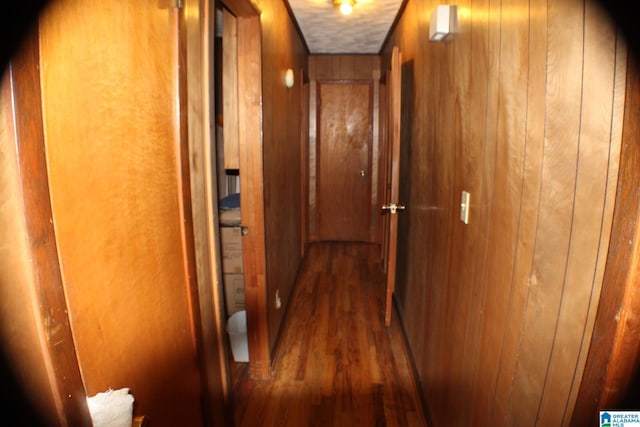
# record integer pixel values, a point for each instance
(345, 6)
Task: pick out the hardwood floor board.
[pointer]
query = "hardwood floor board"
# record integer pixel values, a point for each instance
(337, 364)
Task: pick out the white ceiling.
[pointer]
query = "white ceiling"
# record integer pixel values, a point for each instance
(327, 31)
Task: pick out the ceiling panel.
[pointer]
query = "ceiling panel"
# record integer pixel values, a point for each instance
(327, 31)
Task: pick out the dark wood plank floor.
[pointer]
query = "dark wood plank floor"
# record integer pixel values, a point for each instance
(337, 364)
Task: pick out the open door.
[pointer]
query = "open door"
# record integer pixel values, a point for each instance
(392, 205)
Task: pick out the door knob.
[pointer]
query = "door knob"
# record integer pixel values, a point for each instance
(393, 208)
(362, 172)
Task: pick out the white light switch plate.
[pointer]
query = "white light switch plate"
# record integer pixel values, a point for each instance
(464, 207)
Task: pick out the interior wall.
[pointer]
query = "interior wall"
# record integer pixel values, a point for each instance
(282, 48)
(327, 68)
(523, 109)
(110, 83)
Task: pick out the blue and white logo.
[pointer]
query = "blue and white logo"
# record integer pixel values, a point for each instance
(619, 418)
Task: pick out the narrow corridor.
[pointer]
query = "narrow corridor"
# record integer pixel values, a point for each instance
(337, 364)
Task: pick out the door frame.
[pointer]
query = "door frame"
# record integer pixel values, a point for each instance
(249, 69)
(200, 209)
(394, 93)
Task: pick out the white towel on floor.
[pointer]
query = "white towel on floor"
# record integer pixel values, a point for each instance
(112, 408)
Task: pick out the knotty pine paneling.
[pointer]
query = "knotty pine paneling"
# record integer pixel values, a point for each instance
(360, 68)
(522, 109)
(282, 48)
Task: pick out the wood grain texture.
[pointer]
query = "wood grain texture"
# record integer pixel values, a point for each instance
(345, 119)
(40, 373)
(199, 159)
(230, 90)
(113, 151)
(612, 365)
(394, 107)
(343, 68)
(338, 365)
(517, 110)
(252, 194)
(304, 166)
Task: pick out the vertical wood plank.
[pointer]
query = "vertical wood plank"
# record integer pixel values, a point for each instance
(585, 247)
(474, 153)
(199, 158)
(532, 178)
(556, 208)
(507, 193)
(230, 90)
(607, 231)
(613, 355)
(489, 130)
(252, 194)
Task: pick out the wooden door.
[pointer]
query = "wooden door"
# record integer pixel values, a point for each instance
(393, 206)
(110, 80)
(345, 117)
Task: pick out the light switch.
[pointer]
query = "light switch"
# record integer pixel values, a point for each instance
(464, 207)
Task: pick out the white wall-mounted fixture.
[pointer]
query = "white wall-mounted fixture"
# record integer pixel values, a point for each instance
(464, 207)
(288, 78)
(444, 21)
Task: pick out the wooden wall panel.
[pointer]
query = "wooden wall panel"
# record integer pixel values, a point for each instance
(611, 378)
(113, 151)
(522, 109)
(553, 237)
(332, 68)
(592, 173)
(532, 177)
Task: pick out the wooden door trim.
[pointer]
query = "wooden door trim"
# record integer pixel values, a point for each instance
(199, 209)
(252, 193)
(241, 8)
(64, 372)
(385, 169)
(304, 162)
(318, 208)
(613, 356)
(393, 99)
(249, 69)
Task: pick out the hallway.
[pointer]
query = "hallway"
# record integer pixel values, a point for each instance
(337, 364)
